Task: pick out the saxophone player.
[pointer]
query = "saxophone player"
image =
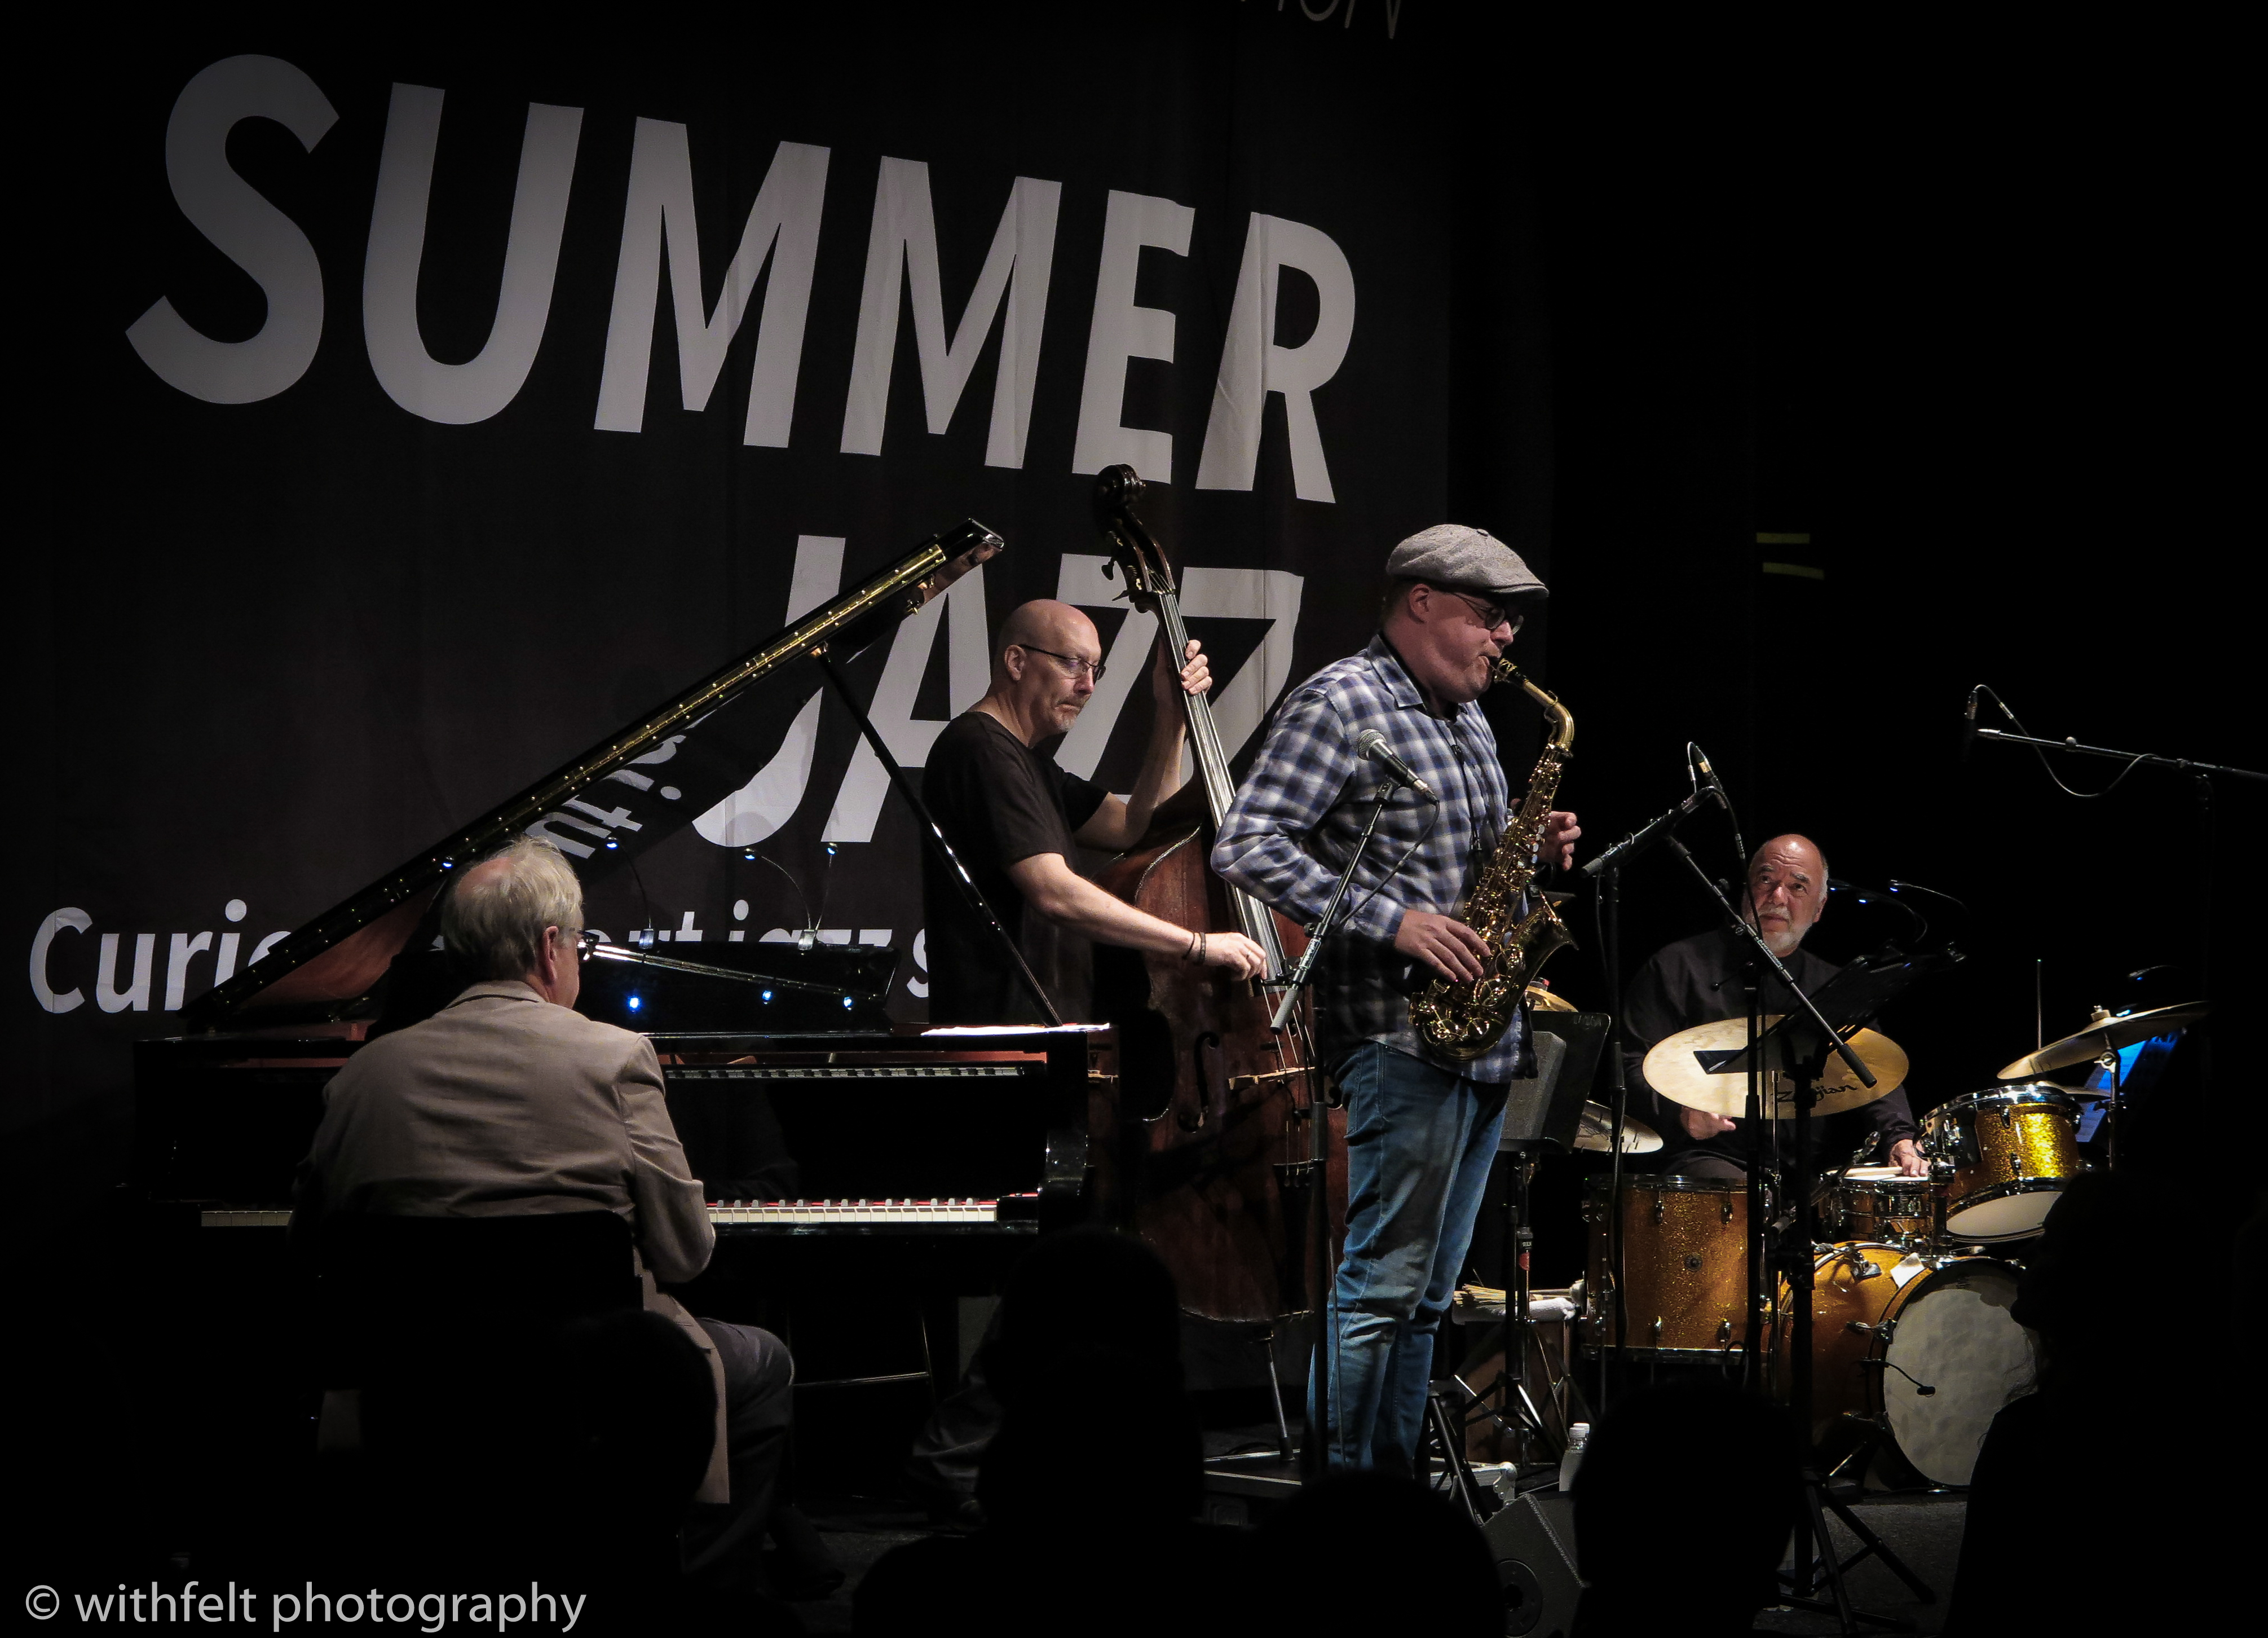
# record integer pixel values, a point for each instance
(1421, 1129)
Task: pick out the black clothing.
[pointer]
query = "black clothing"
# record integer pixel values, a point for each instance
(999, 802)
(1698, 980)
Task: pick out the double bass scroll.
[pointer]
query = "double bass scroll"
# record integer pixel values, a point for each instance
(1219, 1178)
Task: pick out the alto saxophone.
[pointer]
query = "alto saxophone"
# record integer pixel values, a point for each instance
(1462, 1020)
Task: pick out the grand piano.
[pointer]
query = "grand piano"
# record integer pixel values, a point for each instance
(799, 1105)
(816, 1126)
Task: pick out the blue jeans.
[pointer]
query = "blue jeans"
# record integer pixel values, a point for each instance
(1420, 1141)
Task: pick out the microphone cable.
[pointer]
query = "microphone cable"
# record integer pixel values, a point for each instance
(2117, 780)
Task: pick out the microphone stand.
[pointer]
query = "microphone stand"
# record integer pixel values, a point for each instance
(1613, 1363)
(1323, 1376)
(2204, 774)
(2143, 759)
(1606, 868)
(1805, 1577)
(971, 895)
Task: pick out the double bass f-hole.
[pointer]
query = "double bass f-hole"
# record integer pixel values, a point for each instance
(1208, 1072)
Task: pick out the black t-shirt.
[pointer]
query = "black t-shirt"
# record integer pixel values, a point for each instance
(998, 802)
(1698, 980)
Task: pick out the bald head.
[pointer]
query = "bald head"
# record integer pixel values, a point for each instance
(1049, 624)
(1787, 888)
(1043, 671)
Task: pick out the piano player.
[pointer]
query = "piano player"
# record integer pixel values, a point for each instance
(509, 1102)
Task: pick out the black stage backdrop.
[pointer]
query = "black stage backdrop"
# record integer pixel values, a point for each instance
(1940, 323)
(400, 450)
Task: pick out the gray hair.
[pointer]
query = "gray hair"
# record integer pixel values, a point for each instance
(494, 920)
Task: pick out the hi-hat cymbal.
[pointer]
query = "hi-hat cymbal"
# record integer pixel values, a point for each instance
(1598, 1121)
(2104, 1034)
(1673, 1070)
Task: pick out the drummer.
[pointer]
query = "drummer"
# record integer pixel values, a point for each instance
(1698, 980)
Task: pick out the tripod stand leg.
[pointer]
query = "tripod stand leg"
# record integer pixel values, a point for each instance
(1534, 1416)
(1830, 1567)
(1443, 1428)
(1276, 1393)
(1869, 1542)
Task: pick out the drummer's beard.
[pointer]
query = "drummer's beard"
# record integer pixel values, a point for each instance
(1781, 936)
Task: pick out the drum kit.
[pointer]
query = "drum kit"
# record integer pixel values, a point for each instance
(1913, 1342)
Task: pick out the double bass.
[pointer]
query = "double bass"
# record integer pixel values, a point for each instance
(1221, 1175)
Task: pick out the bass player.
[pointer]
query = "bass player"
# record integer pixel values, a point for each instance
(1421, 1130)
(1018, 821)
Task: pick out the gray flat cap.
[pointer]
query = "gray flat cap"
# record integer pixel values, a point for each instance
(1474, 560)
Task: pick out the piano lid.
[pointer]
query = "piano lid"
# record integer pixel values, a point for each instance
(609, 803)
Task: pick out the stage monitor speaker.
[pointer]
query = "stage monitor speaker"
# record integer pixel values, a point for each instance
(1532, 1542)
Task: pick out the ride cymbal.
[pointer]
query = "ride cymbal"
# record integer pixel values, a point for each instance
(2104, 1033)
(1675, 1069)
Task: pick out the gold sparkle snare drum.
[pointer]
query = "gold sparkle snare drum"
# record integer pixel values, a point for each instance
(1684, 1266)
(2012, 1148)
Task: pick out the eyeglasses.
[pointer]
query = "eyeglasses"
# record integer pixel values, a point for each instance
(1090, 670)
(1490, 614)
(585, 939)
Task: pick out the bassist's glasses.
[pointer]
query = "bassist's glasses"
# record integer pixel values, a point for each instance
(1090, 670)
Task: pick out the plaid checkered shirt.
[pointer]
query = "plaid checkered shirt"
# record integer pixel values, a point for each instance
(1298, 815)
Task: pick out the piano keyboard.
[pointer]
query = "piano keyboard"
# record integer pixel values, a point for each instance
(853, 1072)
(964, 1217)
(798, 1214)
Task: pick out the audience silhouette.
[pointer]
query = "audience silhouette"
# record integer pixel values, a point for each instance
(1090, 1487)
(1371, 1553)
(1684, 1506)
(2074, 1463)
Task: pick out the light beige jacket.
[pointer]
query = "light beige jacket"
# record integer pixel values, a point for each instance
(502, 1105)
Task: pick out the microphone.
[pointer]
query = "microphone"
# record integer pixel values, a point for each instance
(1371, 746)
(1969, 723)
(1642, 837)
(1709, 777)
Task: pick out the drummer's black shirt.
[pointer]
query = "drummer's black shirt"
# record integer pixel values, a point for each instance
(998, 802)
(1698, 980)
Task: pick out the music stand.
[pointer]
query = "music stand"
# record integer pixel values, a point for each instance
(1542, 1114)
(1851, 1000)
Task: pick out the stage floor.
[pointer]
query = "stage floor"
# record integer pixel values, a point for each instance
(1924, 1530)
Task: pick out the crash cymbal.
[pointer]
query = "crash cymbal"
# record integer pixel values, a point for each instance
(1542, 999)
(2104, 1033)
(1673, 1070)
(1598, 1120)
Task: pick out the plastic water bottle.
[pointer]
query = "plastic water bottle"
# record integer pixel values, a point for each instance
(1577, 1436)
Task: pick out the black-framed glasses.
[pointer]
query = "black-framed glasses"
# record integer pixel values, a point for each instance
(1090, 670)
(1490, 614)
